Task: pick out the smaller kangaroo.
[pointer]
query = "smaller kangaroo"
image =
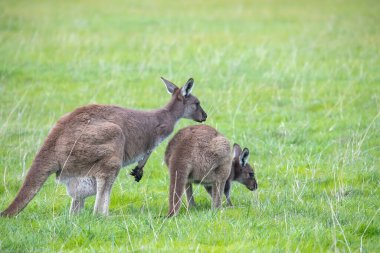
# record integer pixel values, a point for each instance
(200, 154)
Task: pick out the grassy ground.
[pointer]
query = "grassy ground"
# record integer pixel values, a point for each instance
(297, 82)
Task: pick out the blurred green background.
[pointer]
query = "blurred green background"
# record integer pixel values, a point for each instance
(297, 82)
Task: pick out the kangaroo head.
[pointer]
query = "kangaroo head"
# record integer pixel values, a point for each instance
(243, 171)
(185, 102)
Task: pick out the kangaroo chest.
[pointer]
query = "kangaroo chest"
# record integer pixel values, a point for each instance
(136, 153)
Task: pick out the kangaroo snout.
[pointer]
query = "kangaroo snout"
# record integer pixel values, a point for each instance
(204, 116)
(253, 186)
(200, 117)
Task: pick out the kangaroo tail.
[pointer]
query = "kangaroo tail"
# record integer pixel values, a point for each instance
(40, 170)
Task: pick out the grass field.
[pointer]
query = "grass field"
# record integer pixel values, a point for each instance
(297, 82)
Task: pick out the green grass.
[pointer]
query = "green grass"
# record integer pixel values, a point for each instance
(297, 82)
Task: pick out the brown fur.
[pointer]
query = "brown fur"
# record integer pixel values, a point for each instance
(87, 147)
(200, 154)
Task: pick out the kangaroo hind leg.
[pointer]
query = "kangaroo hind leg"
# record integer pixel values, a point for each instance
(104, 182)
(177, 187)
(103, 193)
(79, 189)
(189, 194)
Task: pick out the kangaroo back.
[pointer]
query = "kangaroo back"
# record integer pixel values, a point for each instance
(42, 167)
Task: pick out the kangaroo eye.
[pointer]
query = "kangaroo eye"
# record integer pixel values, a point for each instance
(197, 104)
(251, 175)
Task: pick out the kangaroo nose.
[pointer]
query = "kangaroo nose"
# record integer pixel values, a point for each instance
(204, 115)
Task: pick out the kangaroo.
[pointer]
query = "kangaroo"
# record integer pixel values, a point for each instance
(87, 148)
(200, 154)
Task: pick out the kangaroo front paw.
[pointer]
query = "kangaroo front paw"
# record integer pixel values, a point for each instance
(137, 173)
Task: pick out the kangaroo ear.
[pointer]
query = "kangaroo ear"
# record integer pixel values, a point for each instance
(186, 89)
(171, 87)
(237, 150)
(244, 157)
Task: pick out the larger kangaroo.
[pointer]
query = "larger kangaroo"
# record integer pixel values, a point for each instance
(87, 147)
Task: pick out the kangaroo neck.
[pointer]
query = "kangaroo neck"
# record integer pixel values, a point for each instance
(172, 111)
(166, 117)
